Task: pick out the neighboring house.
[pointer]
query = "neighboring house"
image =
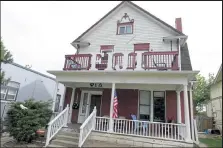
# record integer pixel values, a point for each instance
(214, 106)
(26, 83)
(146, 62)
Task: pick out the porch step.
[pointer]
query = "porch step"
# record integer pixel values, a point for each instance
(67, 138)
(64, 143)
(52, 145)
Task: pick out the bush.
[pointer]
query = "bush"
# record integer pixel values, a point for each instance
(22, 124)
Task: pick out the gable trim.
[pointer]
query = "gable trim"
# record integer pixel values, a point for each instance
(154, 17)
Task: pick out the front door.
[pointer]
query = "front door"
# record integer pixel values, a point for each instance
(95, 101)
(89, 99)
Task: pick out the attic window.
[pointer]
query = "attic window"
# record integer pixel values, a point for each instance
(125, 25)
(125, 28)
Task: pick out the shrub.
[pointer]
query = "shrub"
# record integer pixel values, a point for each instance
(22, 124)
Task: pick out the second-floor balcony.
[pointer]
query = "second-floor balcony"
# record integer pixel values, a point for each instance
(123, 61)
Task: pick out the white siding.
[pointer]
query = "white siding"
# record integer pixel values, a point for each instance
(32, 84)
(146, 30)
(216, 90)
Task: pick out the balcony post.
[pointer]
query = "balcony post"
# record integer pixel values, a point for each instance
(139, 60)
(125, 61)
(109, 65)
(93, 62)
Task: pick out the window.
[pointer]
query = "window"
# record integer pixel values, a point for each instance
(57, 103)
(125, 29)
(3, 92)
(9, 92)
(159, 106)
(144, 105)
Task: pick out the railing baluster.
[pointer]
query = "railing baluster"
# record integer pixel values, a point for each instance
(126, 126)
(175, 132)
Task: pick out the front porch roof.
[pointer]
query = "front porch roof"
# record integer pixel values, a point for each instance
(136, 77)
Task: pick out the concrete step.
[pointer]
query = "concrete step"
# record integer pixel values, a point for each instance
(52, 145)
(66, 133)
(67, 138)
(64, 143)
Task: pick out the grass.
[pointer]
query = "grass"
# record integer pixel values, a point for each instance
(212, 142)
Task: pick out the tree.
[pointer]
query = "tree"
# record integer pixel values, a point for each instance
(25, 118)
(202, 91)
(6, 57)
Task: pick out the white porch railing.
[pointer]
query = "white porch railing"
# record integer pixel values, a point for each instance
(56, 124)
(87, 127)
(159, 130)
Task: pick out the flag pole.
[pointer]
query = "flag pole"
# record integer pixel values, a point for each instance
(111, 108)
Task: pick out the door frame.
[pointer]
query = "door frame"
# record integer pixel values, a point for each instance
(89, 92)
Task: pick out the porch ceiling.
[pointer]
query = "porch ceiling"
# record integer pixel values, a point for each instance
(136, 77)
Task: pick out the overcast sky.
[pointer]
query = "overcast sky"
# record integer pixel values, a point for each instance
(39, 33)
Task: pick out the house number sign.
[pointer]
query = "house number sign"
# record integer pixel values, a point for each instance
(96, 85)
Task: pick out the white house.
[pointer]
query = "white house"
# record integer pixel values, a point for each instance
(26, 83)
(131, 54)
(214, 106)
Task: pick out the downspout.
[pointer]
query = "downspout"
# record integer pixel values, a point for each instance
(179, 56)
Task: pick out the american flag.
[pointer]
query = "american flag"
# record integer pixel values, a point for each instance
(115, 106)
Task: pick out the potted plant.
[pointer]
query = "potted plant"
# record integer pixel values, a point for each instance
(41, 132)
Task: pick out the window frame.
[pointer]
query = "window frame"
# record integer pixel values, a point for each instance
(148, 105)
(119, 25)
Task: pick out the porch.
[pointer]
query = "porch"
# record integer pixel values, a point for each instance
(154, 106)
(159, 100)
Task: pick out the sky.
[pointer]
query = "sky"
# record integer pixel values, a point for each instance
(39, 33)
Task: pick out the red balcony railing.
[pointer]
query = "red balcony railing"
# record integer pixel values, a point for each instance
(150, 60)
(160, 60)
(77, 62)
(117, 60)
(132, 60)
(101, 62)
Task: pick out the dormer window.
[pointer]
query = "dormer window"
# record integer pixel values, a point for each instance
(125, 29)
(125, 25)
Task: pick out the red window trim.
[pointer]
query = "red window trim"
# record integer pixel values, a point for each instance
(126, 23)
(107, 48)
(142, 47)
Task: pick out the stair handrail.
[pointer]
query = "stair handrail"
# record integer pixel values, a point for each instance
(54, 126)
(87, 127)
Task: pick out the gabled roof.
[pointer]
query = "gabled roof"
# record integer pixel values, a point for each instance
(134, 5)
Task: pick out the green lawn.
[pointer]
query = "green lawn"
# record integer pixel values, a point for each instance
(212, 142)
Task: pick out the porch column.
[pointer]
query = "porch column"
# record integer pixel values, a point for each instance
(151, 107)
(71, 104)
(186, 115)
(178, 107)
(55, 95)
(191, 113)
(111, 108)
(64, 95)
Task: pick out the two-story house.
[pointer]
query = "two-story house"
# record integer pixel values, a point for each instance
(144, 62)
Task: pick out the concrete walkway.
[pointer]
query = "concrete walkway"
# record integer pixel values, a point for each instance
(5, 139)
